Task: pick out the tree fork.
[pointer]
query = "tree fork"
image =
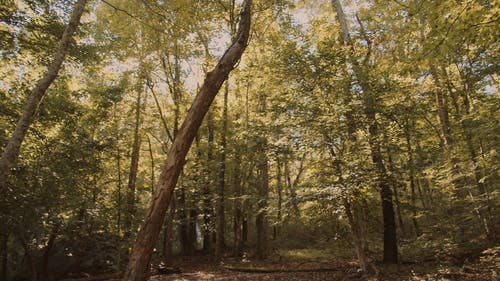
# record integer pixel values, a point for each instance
(137, 267)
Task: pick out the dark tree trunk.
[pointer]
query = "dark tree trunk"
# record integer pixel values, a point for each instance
(220, 213)
(11, 151)
(4, 254)
(370, 107)
(238, 212)
(191, 242)
(134, 167)
(137, 269)
(183, 221)
(44, 271)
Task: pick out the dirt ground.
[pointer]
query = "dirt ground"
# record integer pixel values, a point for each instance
(311, 271)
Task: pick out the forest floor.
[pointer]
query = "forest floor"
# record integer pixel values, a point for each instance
(344, 269)
(316, 265)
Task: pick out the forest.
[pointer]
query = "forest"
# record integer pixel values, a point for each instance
(249, 140)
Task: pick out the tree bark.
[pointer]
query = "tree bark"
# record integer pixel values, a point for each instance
(220, 215)
(411, 171)
(137, 269)
(238, 212)
(261, 219)
(370, 104)
(134, 167)
(11, 151)
(207, 198)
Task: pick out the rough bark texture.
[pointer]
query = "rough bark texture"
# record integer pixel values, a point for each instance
(137, 268)
(11, 151)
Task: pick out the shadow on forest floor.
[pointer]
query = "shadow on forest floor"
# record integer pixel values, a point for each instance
(198, 268)
(338, 270)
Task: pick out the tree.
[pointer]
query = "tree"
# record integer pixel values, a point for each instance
(141, 254)
(11, 151)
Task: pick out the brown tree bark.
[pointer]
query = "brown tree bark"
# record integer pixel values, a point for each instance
(137, 269)
(11, 151)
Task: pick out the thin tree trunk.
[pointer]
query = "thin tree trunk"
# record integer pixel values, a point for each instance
(11, 151)
(183, 220)
(238, 213)
(411, 171)
(355, 224)
(390, 237)
(44, 272)
(152, 177)
(263, 189)
(134, 167)
(220, 215)
(137, 269)
(168, 231)
(207, 197)
(279, 191)
(4, 254)
(261, 219)
(29, 259)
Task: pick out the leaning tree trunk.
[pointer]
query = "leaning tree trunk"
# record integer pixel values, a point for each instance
(137, 267)
(11, 151)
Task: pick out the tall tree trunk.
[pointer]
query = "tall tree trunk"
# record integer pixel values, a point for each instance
(220, 215)
(362, 75)
(238, 212)
(137, 269)
(134, 167)
(411, 172)
(263, 189)
(390, 237)
(207, 197)
(279, 191)
(183, 220)
(11, 151)
(191, 242)
(395, 186)
(168, 231)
